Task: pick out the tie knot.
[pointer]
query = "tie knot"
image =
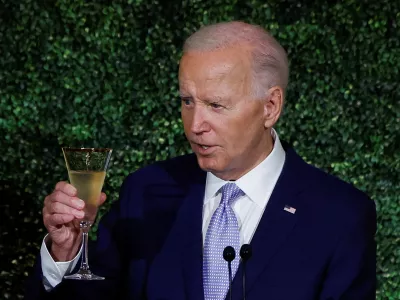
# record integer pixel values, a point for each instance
(230, 192)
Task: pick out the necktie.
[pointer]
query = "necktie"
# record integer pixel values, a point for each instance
(222, 231)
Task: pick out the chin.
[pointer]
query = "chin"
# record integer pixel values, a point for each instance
(210, 164)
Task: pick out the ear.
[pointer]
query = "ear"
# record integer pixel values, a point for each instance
(273, 106)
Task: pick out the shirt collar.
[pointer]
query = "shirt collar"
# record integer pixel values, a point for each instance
(258, 182)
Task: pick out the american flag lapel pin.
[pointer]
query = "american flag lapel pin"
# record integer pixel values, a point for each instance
(290, 209)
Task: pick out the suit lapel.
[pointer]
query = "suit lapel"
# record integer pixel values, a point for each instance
(190, 222)
(275, 225)
(273, 229)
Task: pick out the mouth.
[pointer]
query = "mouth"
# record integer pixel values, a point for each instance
(202, 149)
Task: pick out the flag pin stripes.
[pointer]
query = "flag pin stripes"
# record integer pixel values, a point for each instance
(290, 209)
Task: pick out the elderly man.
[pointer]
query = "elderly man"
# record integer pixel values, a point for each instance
(311, 235)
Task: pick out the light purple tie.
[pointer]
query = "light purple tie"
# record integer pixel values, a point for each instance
(222, 231)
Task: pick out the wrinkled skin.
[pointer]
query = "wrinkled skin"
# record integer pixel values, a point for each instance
(219, 112)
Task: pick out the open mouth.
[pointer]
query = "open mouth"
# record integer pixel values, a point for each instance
(202, 147)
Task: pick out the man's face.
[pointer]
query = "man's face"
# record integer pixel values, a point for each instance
(222, 121)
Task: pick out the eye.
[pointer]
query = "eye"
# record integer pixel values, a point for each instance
(216, 105)
(186, 101)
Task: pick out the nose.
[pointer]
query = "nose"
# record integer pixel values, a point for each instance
(200, 123)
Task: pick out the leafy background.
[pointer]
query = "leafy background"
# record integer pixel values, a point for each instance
(104, 73)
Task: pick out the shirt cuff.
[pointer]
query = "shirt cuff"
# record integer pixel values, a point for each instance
(53, 272)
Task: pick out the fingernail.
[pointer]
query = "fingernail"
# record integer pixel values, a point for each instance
(79, 214)
(78, 203)
(72, 190)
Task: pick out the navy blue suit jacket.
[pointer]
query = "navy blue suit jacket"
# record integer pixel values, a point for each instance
(150, 243)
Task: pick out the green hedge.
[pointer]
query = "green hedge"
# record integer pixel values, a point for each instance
(104, 73)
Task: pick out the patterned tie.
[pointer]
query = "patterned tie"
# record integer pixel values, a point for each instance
(223, 231)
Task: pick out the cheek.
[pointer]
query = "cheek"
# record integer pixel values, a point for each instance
(244, 134)
(231, 136)
(186, 121)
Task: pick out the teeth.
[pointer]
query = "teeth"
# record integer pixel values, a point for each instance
(204, 147)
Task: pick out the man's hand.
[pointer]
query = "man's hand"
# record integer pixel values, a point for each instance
(62, 212)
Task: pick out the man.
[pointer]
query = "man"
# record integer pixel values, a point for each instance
(312, 235)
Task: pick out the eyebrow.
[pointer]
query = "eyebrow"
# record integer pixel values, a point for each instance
(182, 92)
(214, 99)
(217, 99)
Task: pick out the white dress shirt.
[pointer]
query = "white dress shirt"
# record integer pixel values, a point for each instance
(53, 272)
(257, 186)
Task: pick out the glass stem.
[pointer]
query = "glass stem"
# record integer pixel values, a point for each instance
(85, 226)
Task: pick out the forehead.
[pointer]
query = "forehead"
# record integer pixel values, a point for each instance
(215, 69)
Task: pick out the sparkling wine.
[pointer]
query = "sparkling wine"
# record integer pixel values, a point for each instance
(87, 170)
(88, 184)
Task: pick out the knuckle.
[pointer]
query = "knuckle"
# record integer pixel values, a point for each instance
(54, 206)
(59, 185)
(52, 196)
(44, 212)
(58, 196)
(47, 204)
(57, 219)
(46, 219)
(70, 201)
(52, 220)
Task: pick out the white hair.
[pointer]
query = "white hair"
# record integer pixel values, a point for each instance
(269, 59)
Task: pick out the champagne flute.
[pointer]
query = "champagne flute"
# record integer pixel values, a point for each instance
(86, 171)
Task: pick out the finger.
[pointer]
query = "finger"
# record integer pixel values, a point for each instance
(45, 211)
(45, 216)
(60, 208)
(103, 198)
(59, 196)
(67, 188)
(46, 200)
(59, 219)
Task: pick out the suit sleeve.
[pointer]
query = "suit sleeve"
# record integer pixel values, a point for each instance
(352, 271)
(104, 260)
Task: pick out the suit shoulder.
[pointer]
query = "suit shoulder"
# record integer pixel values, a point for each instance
(340, 198)
(318, 182)
(336, 186)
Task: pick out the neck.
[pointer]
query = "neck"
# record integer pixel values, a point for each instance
(264, 149)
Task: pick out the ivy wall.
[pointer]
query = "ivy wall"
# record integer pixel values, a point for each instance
(104, 73)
